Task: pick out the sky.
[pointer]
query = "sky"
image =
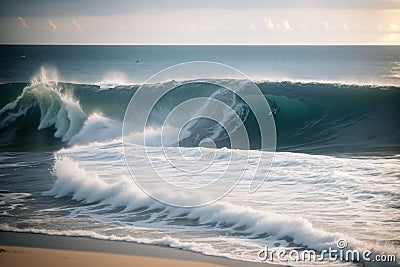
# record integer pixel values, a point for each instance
(251, 22)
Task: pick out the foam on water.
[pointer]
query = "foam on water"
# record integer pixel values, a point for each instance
(112, 80)
(86, 174)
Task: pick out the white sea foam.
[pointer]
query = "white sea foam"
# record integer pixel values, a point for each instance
(113, 79)
(104, 128)
(87, 175)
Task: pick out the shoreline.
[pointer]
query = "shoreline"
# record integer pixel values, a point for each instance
(31, 244)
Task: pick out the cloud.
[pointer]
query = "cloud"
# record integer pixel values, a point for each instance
(171, 28)
(345, 27)
(76, 25)
(52, 25)
(78, 8)
(287, 26)
(23, 23)
(390, 27)
(326, 25)
(394, 27)
(193, 27)
(269, 24)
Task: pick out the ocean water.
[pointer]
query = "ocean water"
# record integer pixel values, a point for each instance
(335, 173)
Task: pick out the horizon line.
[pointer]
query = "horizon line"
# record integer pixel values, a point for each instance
(191, 44)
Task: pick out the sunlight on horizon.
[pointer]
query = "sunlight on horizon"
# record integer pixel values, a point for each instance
(174, 23)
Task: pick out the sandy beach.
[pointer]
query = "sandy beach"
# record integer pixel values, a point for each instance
(23, 249)
(24, 256)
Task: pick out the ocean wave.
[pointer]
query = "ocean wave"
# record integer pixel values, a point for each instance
(310, 117)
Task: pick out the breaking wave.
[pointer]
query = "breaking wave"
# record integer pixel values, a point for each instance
(309, 117)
